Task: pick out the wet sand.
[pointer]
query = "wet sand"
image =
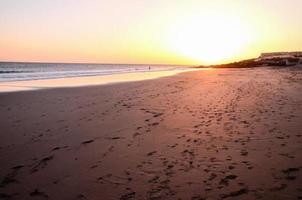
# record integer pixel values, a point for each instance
(216, 134)
(26, 85)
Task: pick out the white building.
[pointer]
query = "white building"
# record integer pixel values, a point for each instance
(281, 58)
(294, 54)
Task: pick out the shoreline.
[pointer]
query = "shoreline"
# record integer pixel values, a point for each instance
(82, 81)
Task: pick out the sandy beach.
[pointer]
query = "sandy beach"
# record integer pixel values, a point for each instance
(211, 134)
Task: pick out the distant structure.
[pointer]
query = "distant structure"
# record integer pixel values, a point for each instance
(280, 58)
(281, 54)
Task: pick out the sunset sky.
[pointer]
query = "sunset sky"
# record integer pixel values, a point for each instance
(147, 31)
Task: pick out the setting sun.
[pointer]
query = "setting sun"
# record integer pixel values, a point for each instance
(209, 39)
(189, 32)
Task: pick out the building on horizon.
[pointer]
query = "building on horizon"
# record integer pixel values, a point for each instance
(281, 58)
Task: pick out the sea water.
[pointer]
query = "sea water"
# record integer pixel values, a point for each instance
(16, 71)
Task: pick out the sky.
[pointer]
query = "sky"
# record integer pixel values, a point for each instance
(147, 31)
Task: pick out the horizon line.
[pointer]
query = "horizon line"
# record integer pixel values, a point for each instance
(90, 63)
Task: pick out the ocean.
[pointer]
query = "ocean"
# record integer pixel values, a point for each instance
(17, 71)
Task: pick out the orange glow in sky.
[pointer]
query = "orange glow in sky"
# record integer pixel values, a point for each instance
(144, 31)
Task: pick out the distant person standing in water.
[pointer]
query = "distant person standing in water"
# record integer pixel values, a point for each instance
(149, 67)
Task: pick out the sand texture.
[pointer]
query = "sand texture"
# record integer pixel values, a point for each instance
(215, 134)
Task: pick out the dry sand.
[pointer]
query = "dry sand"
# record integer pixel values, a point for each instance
(216, 134)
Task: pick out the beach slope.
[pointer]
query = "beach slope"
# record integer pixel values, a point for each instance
(210, 134)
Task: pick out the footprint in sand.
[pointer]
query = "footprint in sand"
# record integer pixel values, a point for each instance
(87, 141)
(38, 193)
(290, 173)
(235, 193)
(42, 164)
(151, 153)
(225, 180)
(127, 196)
